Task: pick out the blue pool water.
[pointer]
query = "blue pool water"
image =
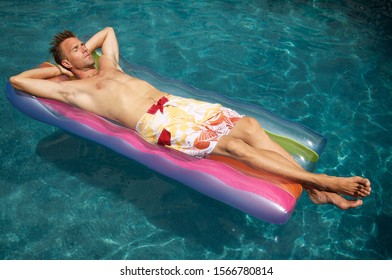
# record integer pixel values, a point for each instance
(325, 64)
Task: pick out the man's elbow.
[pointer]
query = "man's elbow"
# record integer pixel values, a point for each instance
(18, 82)
(110, 31)
(14, 80)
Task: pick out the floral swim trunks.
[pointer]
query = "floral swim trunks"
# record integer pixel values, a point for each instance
(187, 125)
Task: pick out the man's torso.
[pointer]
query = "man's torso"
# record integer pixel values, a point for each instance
(115, 95)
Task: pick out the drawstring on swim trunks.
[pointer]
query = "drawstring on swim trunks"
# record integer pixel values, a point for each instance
(158, 106)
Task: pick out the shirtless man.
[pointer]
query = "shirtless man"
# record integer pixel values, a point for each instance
(113, 94)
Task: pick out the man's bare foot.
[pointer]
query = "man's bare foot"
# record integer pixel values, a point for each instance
(352, 186)
(323, 197)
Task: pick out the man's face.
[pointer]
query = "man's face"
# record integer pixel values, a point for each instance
(76, 54)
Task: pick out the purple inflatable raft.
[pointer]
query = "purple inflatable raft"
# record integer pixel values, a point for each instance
(263, 196)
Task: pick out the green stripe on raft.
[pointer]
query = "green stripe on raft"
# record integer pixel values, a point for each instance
(96, 56)
(294, 148)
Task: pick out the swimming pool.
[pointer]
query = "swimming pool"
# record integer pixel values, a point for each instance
(325, 65)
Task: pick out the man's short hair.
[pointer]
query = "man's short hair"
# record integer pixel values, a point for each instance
(55, 50)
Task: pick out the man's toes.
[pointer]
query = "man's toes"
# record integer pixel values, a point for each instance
(348, 204)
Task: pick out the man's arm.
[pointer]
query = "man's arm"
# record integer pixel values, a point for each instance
(107, 41)
(35, 82)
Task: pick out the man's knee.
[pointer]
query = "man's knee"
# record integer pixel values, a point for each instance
(232, 147)
(252, 127)
(251, 122)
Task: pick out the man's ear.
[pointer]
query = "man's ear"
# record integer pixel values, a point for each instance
(66, 64)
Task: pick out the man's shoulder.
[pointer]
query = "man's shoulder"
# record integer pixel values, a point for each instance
(106, 62)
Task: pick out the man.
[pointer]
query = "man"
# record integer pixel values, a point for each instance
(193, 127)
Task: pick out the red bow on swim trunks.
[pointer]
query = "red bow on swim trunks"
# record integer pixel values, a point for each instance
(159, 106)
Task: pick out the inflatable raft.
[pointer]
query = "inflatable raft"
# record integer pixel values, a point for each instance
(269, 198)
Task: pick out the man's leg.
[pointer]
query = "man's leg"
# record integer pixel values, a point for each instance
(257, 138)
(248, 143)
(249, 130)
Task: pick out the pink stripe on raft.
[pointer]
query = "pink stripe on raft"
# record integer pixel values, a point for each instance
(219, 170)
